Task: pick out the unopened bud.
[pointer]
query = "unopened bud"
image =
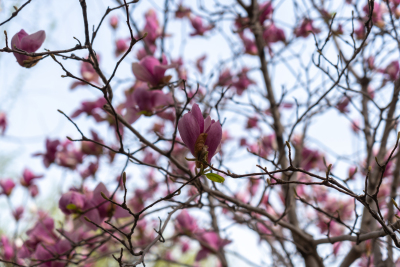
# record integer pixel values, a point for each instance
(288, 145)
(369, 168)
(103, 195)
(87, 219)
(268, 181)
(124, 177)
(70, 139)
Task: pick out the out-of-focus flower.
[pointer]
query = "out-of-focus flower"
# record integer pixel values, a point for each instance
(91, 148)
(29, 43)
(33, 190)
(249, 45)
(148, 101)
(392, 70)
(377, 14)
(243, 82)
(17, 213)
(28, 176)
(201, 136)
(306, 28)
(114, 22)
(91, 108)
(200, 62)
(7, 248)
(182, 11)
(213, 241)
(51, 149)
(265, 11)
(252, 123)
(69, 156)
(199, 28)
(273, 34)
(90, 170)
(225, 78)
(88, 73)
(185, 223)
(120, 47)
(342, 106)
(150, 70)
(355, 126)
(7, 186)
(152, 27)
(3, 122)
(360, 31)
(72, 202)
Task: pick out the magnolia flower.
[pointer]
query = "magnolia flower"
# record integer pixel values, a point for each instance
(7, 186)
(182, 12)
(120, 47)
(342, 106)
(185, 223)
(88, 73)
(152, 27)
(72, 202)
(199, 28)
(249, 45)
(200, 62)
(50, 155)
(29, 43)
(148, 101)
(305, 28)
(265, 11)
(17, 213)
(3, 122)
(392, 70)
(114, 22)
(377, 14)
(272, 34)
(213, 241)
(201, 136)
(28, 176)
(243, 82)
(150, 70)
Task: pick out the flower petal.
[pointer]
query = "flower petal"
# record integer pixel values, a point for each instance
(199, 117)
(213, 139)
(31, 43)
(189, 130)
(141, 73)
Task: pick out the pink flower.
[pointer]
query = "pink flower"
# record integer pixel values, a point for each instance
(150, 70)
(209, 240)
(342, 106)
(33, 190)
(29, 43)
(120, 47)
(272, 34)
(199, 28)
(312, 159)
(3, 122)
(377, 14)
(249, 45)
(148, 101)
(91, 108)
(28, 176)
(360, 31)
(90, 148)
(265, 11)
(90, 170)
(114, 22)
(7, 185)
(305, 28)
(69, 156)
(352, 171)
(243, 82)
(225, 78)
(72, 202)
(182, 12)
(201, 136)
(17, 213)
(185, 223)
(50, 155)
(252, 123)
(88, 73)
(200, 62)
(7, 248)
(392, 70)
(152, 27)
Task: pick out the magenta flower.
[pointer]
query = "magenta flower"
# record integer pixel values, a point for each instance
(33, 190)
(182, 12)
(114, 22)
(50, 155)
(210, 243)
(200, 62)
(306, 28)
(17, 213)
(243, 82)
(91, 108)
(392, 70)
(7, 186)
(150, 70)
(3, 122)
(249, 45)
(342, 106)
(201, 136)
(265, 11)
(69, 156)
(152, 27)
(90, 170)
(88, 73)
(28, 176)
(185, 223)
(90, 148)
(377, 14)
(29, 43)
(72, 202)
(225, 78)
(120, 47)
(149, 100)
(7, 248)
(199, 28)
(273, 34)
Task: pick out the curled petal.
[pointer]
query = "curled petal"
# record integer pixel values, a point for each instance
(189, 130)
(214, 139)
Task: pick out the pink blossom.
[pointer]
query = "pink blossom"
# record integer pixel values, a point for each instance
(88, 73)
(264, 146)
(33, 190)
(91, 108)
(150, 70)
(201, 136)
(3, 122)
(28, 176)
(43, 230)
(312, 159)
(342, 106)
(90, 170)
(225, 78)
(352, 171)
(185, 223)
(185, 246)
(148, 101)
(7, 185)
(114, 22)
(355, 126)
(120, 47)
(243, 82)
(29, 43)
(272, 34)
(7, 248)
(152, 27)
(360, 32)
(249, 45)
(209, 240)
(252, 123)
(265, 11)
(182, 12)
(69, 156)
(377, 14)
(199, 28)
(392, 70)
(17, 213)
(51, 149)
(305, 28)
(91, 148)
(200, 62)
(72, 202)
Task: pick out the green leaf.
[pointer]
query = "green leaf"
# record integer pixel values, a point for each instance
(215, 177)
(71, 207)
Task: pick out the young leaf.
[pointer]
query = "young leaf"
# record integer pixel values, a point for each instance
(215, 177)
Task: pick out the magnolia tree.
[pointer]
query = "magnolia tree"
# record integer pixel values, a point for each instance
(267, 124)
